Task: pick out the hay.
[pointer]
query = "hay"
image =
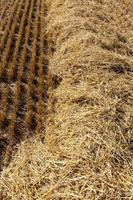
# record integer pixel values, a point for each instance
(88, 147)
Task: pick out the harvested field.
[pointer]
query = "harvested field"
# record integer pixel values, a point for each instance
(87, 153)
(23, 71)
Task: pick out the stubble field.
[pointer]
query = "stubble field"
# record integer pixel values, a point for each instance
(66, 81)
(23, 69)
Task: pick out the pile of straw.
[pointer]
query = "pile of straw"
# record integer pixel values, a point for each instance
(88, 148)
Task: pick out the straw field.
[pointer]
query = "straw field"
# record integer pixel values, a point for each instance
(87, 122)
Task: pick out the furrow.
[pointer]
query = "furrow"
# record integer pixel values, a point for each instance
(12, 73)
(6, 32)
(41, 62)
(30, 121)
(10, 42)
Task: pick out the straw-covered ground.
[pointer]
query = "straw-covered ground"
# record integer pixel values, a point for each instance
(88, 148)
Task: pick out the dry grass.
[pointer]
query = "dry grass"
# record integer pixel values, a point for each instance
(88, 147)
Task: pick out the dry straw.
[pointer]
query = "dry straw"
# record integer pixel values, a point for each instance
(88, 149)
